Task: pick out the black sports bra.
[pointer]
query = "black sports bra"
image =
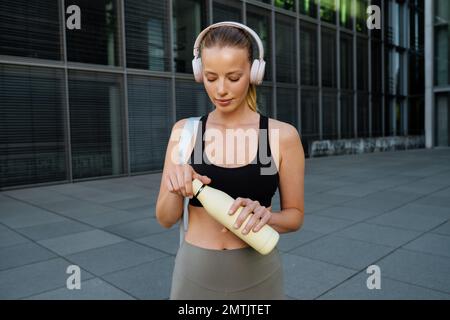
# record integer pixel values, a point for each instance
(257, 180)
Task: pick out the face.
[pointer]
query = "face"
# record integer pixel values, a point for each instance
(226, 76)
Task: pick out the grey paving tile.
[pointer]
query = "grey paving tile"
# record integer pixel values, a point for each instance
(311, 207)
(322, 224)
(328, 198)
(435, 201)
(443, 229)
(10, 238)
(114, 257)
(146, 211)
(359, 190)
(80, 241)
(291, 240)
(348, 213)
(37, 195)
(420, 187)
(356, 289)
(147, 281)
(377, 234)
(53, 230)
(130, 203)
(345, 252)
(407, 220)
(35, 278)
(307, 279)
(431, 243)
(112, 217)
(76, 208)
(137, 229)
(168, 241)
(425, 270)
(22, 254)
(424, 210)
(93, 289)
(28, 216)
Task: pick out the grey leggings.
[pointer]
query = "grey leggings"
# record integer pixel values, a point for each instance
(203, 274)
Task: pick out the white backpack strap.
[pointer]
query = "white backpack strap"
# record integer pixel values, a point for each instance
(189, 131)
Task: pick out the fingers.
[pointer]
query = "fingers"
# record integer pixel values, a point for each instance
(249, 207)
(180, 180)
(254, 220)
(203, 179)
(264, 220)
(187, 170)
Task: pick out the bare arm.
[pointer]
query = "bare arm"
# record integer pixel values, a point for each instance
(291, 173)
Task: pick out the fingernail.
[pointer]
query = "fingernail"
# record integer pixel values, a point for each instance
(245, 231)
(236, 226)
(230, 211)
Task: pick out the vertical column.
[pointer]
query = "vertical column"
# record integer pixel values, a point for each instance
(338, 69)
(274, 58)
(298, 60)
(429, 96)
(319, 60)
(355, 75)
(171, 62)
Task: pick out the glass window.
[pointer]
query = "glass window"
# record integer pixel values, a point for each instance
(377, 107)
(329, 115)
(287, 105)
(96, 124)
(147, 29)
(441, 43)
(399, 116)
(149, 127)
(32, 135)
(329, 58)
(416, 77)
(442, 119)
(346, 14)
(286, 53)
(30, 28)
(416, 116)
(310, 117)
(376, 33)
(361, 15)
(376, 66)
(285, 4)
(308, 7)
(347, 116)
(189, 19)
(264, 100)
(362, 111)
(191, 99)
(259, 20)
(227, 10)
(98, 39)
(346, 61)
(362, 68)
(328, 11)
(308, 54)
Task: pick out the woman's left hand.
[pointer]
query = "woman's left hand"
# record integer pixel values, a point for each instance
(261, 215)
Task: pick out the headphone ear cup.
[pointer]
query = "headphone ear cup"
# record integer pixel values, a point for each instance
(197, 69)
(257, 71)
(261, 69)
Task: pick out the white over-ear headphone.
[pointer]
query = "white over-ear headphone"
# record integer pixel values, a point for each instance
(258, 66)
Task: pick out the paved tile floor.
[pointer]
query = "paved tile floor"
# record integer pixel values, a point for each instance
(387, 209)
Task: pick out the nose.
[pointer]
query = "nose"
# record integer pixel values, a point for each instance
(221, 90)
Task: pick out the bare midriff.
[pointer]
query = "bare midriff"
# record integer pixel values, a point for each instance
(205, 232)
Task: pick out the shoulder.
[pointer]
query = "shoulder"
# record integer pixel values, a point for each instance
(287, 132)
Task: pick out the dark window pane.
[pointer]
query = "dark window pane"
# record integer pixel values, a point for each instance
(362, 111)
(345, 14)
(286, 49)
(98, 39)
(328, 58)
(347, 116)
(376, 66)
(191, 99)
(310, 117)
(285, 4)
(30, 28)
(328, 11)
(189, 19)
(147, 29)
(31, 126)
(377, 107)
(442, 120)
(346, 61)
(96, 123)
(361, 15)
(308, 7)
(149, 128)
(362, 68)
(259, 20)
(329, 115)
(264, 100)
(376, 33)
(308, 54)
(287, 105)
(441, 43)
(416, 116)
(227, 10)
(416, 77)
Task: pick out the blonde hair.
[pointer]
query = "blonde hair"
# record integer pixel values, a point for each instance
(226, 36)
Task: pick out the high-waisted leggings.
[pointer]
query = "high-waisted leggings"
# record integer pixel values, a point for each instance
(205, 274)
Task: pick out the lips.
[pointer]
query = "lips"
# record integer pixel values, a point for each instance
(223, 100)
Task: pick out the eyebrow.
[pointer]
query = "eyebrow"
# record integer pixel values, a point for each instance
(235, 71)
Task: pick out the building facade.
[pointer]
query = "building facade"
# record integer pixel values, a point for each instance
(100, 101)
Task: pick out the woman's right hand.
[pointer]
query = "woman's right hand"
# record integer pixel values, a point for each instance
(179, 178)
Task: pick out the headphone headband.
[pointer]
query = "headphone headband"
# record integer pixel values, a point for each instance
(231, 24)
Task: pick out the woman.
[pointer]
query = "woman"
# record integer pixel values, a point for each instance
(212, 262)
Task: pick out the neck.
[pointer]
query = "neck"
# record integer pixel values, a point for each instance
(242, 115)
